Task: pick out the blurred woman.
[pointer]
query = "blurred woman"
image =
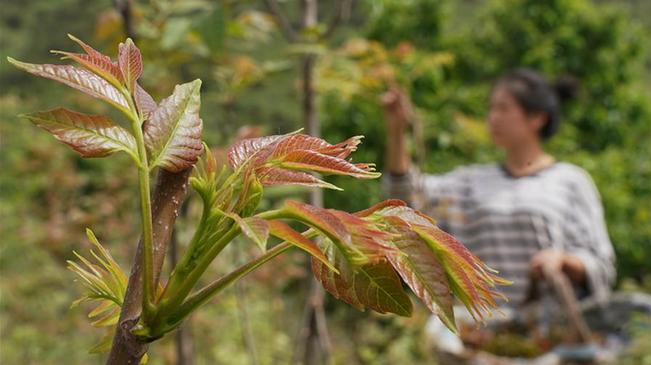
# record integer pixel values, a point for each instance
(524, 213)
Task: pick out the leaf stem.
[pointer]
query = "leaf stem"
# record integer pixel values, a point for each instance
(184, 282)
(148, 307)
(210, 290)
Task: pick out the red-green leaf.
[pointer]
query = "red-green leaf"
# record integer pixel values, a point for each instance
(286, 233)
(96, 62)
(359, 240)
(102, 67)
(274, 176)
(79, 79)
(318, 162)
(90, 135)
(145, 103)
(320, 219)
(173, 131)
(470, 279)
(275, 159)
(380, 206)
(295, 142)
(375, 286)
(420, 268)
(366, 237)
(130, 63)
(256, 229)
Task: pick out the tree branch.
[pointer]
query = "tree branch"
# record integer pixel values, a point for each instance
(285, 26)
(169, 192)
(343, 9)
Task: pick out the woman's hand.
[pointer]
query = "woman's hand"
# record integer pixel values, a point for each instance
(555, 260)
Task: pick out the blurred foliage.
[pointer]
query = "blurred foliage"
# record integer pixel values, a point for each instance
(606, 130)
(446, 54)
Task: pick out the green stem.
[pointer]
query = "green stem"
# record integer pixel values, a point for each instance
(148, 284)
(179, 292)
(210, 290)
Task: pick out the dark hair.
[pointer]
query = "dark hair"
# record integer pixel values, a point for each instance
(535, 94)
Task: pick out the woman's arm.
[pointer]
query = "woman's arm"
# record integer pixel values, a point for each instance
(586, 255)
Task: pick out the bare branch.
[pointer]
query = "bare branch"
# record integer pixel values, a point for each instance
(285, 25)
(342, 14)
(168, 194)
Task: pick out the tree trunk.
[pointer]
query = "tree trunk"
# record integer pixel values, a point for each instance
(169, 192)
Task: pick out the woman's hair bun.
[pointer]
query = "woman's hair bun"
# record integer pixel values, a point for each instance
(566, 87)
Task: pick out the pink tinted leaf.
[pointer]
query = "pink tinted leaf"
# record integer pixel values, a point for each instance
(102, 67)
(92, 52)
(130, 63)
(89, 135)
(375, 286)
(173, 130)
(286, 233)
(294, 142)
(96, 62)
(79, 79)
(256, 229)
(244, 149)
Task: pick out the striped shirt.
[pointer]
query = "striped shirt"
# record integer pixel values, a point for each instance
(506, 220)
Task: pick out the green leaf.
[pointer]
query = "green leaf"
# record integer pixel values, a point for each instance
(375, 286)
(106, 285)
(130, 63)
(173, 131)
(77, 78)
(256, 229)
(89, 135)
(286, 233)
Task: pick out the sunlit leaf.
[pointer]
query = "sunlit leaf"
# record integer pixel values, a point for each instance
(173, 131)
(78, 78)
(89, 135)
